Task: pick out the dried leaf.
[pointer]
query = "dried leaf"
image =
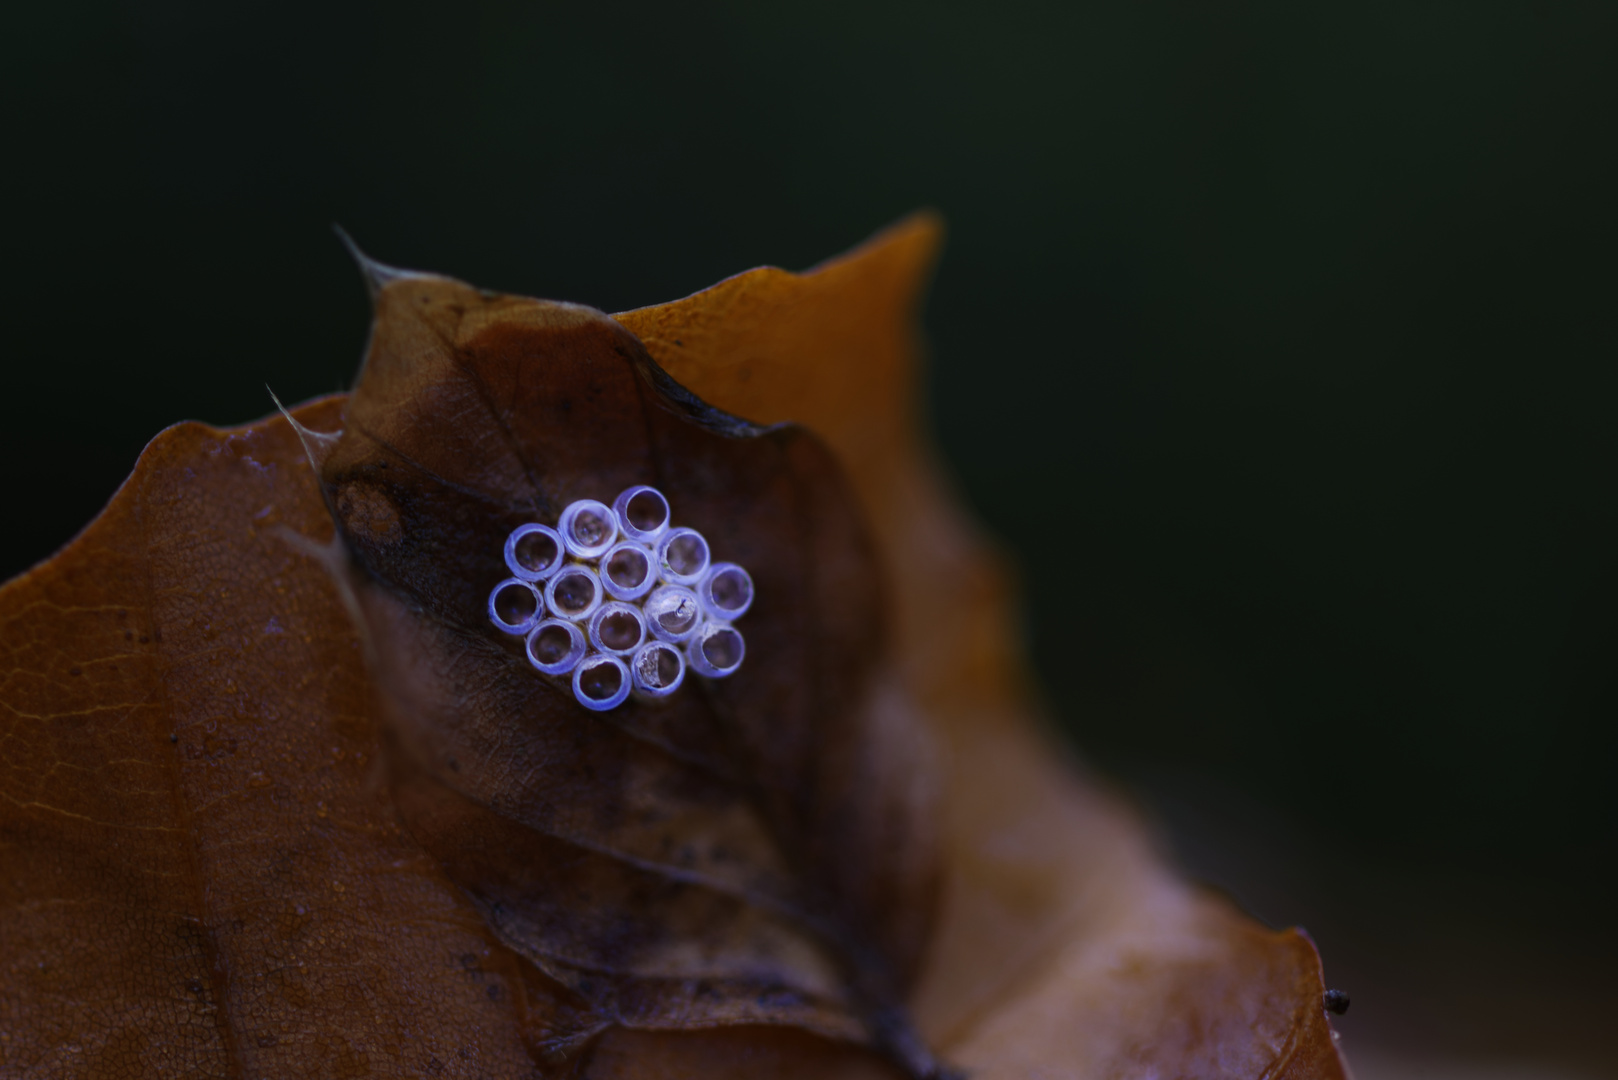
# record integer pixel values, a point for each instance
(201, 876)
(754, 850)
(243, 900)
(1064, 946)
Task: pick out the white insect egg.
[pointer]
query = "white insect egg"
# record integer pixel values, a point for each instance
(555, 646)
(627, 572)
(726, 591)
(716, 650)
(601, 682)
(682, 557)
(673, 613)
(588, 528)
(617, 628)
(658, 669)
(642, 512)
(574, 593)
(514, 606)
(534, 552)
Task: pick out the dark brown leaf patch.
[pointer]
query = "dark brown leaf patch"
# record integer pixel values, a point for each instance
(739, 854)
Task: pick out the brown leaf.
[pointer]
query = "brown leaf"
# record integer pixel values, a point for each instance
(1064, 946)
(201, 877)
(752, 850)
(243, 901)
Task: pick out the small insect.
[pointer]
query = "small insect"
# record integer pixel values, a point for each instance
(621, 600)
(1336, 1002)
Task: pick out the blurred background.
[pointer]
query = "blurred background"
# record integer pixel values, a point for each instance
(1275, 341)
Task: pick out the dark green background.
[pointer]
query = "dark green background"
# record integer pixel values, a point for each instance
(1276, 340)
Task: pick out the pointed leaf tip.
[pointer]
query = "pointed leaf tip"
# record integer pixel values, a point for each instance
(378, 275)
(316, 444)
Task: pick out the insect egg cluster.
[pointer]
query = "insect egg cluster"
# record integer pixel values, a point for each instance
(621, 600)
